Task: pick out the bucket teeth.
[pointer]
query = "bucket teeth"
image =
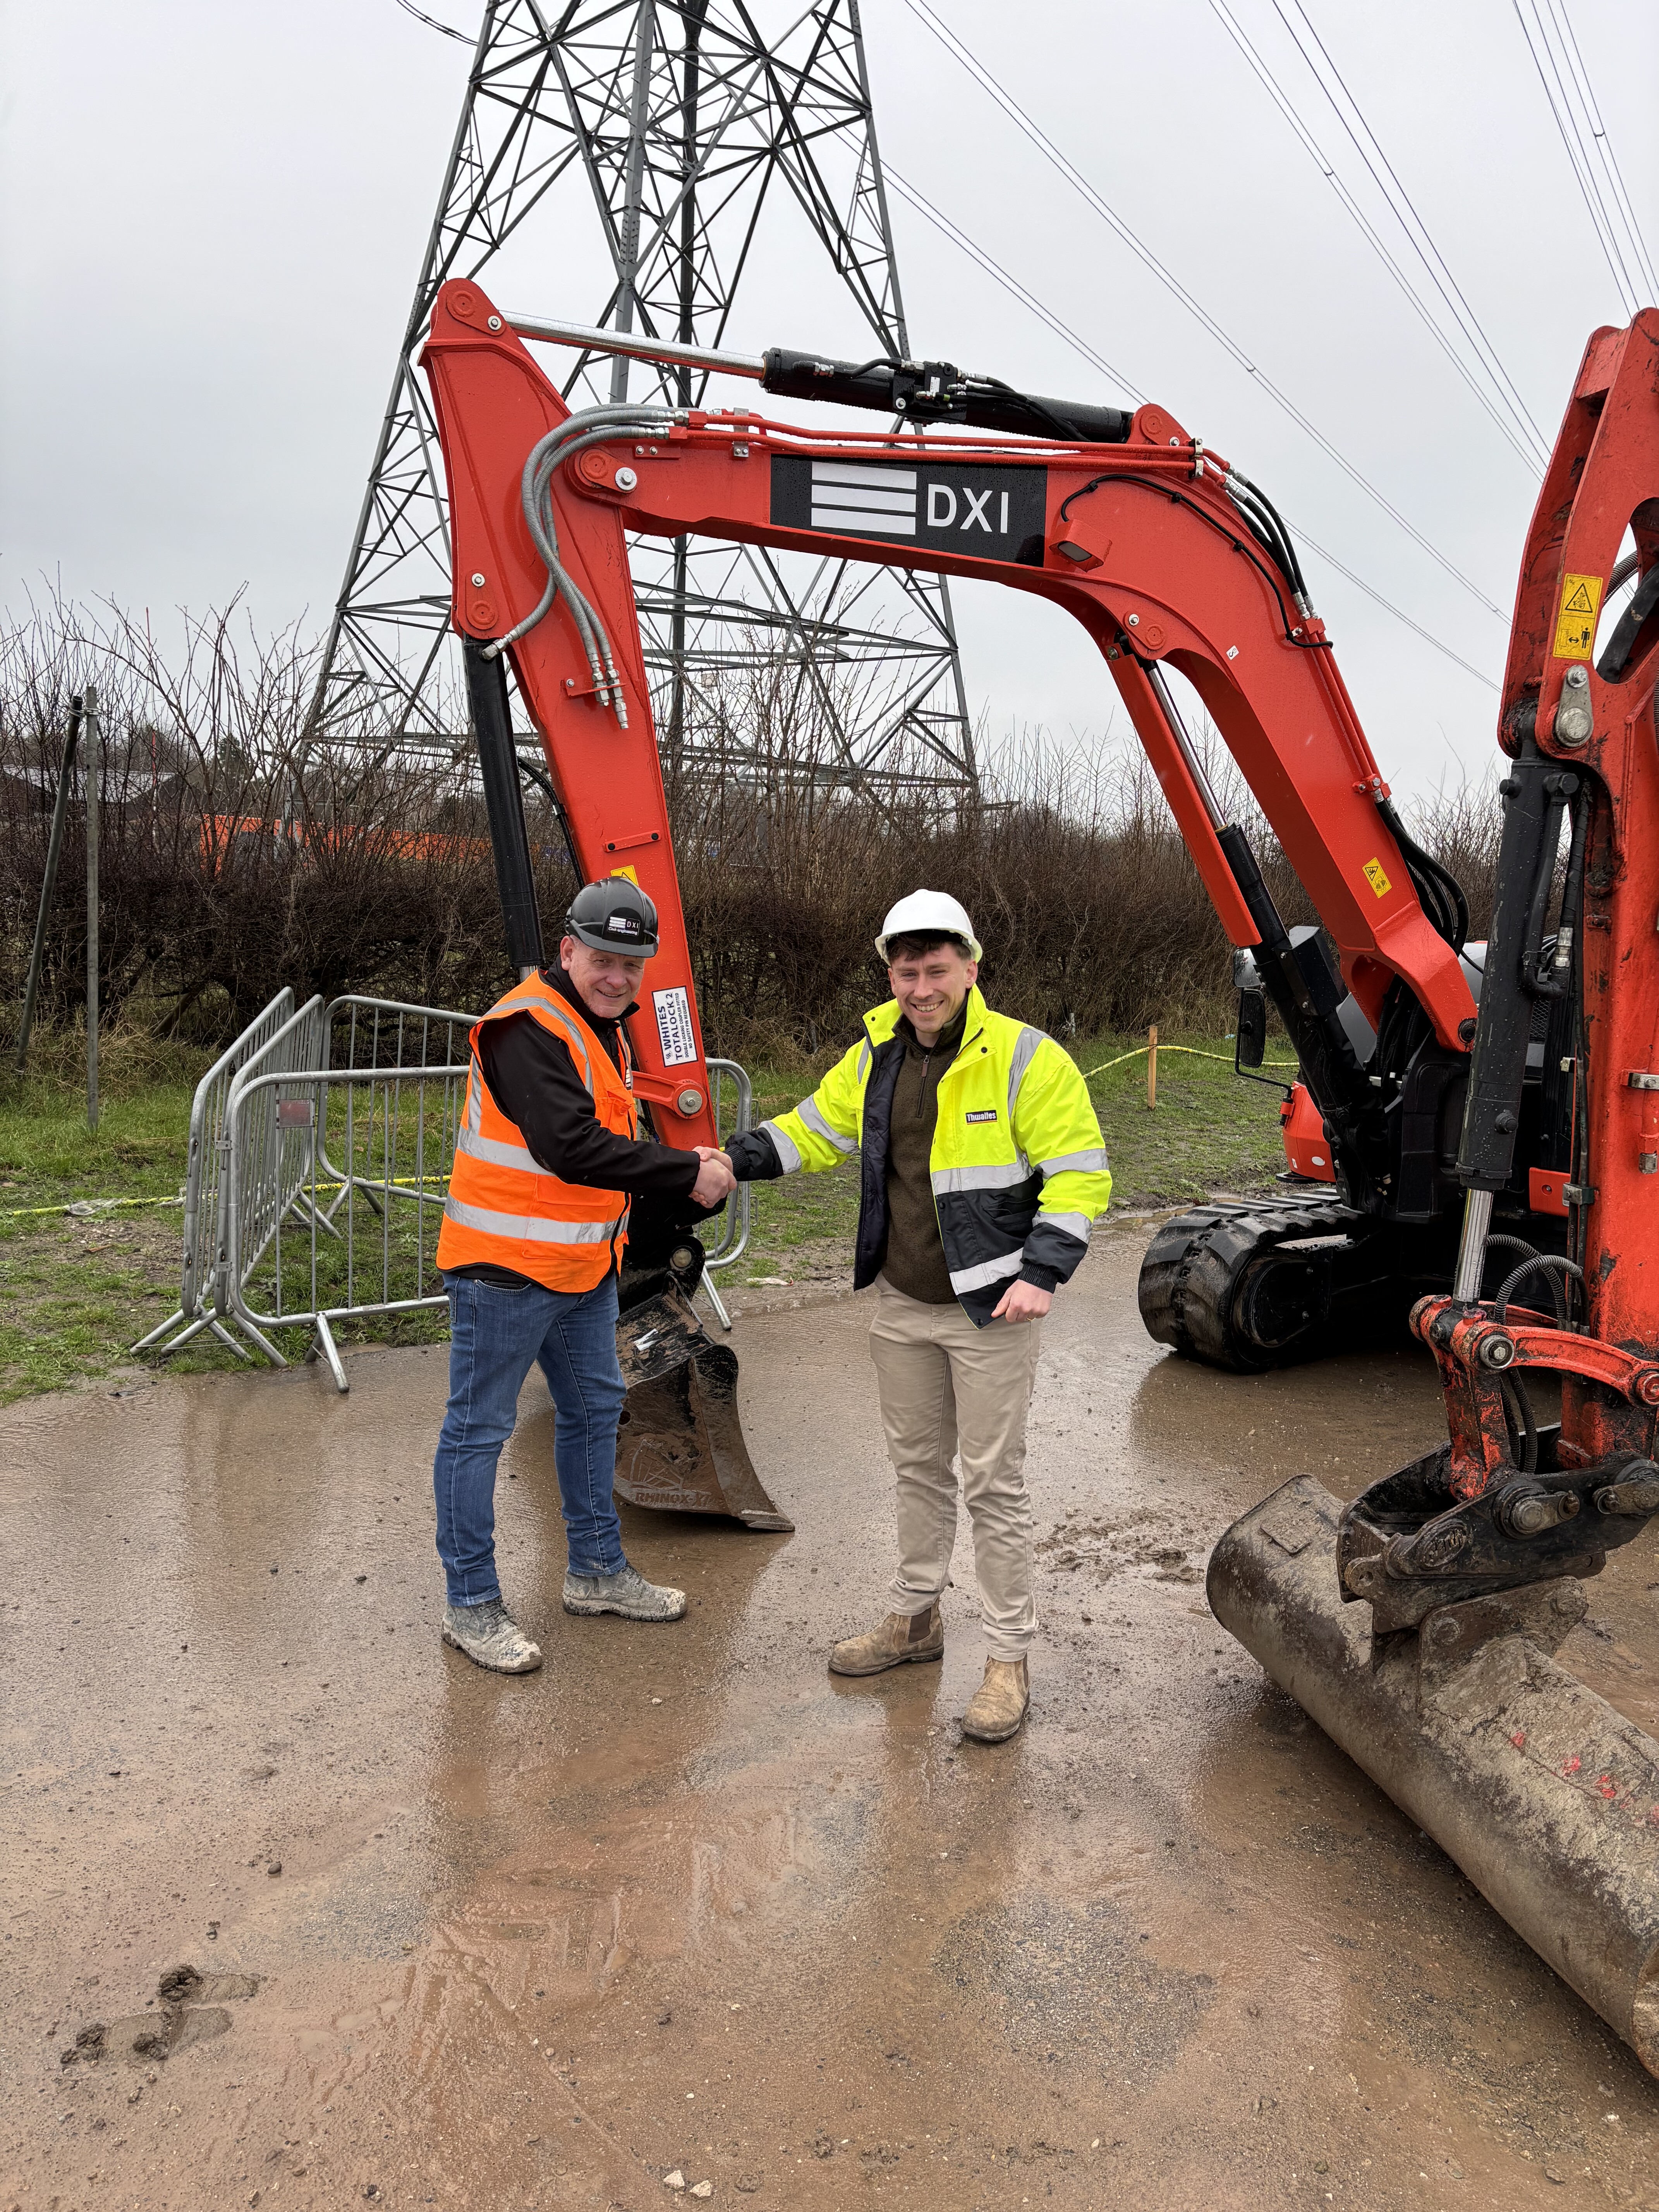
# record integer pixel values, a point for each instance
(681, 1449)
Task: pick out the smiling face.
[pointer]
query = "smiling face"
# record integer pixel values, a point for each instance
(607, 983)
(932, 987)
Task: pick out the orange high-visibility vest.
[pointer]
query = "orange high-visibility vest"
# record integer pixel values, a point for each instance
(505, 1208)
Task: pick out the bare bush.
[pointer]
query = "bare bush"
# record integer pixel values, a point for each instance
(1091, 912)
(236, 858)
(1461, 826)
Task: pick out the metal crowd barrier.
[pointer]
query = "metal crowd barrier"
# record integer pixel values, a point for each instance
(204, 1182)
(385, 1033)
(732, 1093)
(341, 1167)
(336, 1209)
(321, 1149)
(270, 1154)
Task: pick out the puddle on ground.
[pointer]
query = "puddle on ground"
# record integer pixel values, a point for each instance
(683, 1902)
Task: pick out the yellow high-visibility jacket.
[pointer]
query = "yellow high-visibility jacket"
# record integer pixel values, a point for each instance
(1019, 1168)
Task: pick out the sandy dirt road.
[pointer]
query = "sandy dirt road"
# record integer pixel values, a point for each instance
(683, 1904)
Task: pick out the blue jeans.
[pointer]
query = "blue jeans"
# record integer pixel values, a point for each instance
(497, 1332)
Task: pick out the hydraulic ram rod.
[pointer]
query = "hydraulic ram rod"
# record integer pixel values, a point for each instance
(923, 391)
(638, 345)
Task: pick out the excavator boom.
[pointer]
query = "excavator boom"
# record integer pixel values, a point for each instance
(1149, 542)
(1169, 558)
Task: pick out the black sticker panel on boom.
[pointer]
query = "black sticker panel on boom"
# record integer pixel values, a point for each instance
(947, 506)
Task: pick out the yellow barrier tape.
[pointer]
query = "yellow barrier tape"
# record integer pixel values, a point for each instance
(104, 1205)
(783, 1098)
(109, 1205)
(1142, 1050)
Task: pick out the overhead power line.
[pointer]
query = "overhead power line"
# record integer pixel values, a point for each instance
(1074, 177)
(1495, 394)
(1062, 329)
(1028, 299)
(1348, 113)
(433, 24)
(1608, 159)
(1012, 285)
(1549, 35)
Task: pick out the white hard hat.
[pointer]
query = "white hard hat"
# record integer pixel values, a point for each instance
(924, 912)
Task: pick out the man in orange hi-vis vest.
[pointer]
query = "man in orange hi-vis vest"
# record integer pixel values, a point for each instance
(547, 1160)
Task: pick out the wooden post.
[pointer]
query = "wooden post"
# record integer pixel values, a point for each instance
(1152, 1068)
(93, 754)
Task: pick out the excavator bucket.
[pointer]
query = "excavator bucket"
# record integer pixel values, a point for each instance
(1544, 1794)
(681, 1449)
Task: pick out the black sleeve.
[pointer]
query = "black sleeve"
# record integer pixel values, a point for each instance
(754, 1157)
(534, 1080)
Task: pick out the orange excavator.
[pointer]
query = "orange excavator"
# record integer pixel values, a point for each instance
(1478, 1122)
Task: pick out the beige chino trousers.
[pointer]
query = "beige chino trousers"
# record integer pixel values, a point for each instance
(948, 1388)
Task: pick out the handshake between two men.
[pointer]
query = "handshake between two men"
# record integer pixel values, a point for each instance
(716, 1178)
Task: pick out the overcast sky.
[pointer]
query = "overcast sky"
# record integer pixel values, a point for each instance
(214, 215)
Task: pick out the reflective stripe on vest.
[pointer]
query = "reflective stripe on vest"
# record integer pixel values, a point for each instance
(529, 1228)
(500, 1155)
(497, 1151)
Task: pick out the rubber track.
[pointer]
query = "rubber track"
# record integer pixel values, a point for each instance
(1191, 1271)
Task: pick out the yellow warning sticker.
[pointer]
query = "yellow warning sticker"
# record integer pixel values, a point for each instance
(1376, 875)
(630, 874)
(1575, 626)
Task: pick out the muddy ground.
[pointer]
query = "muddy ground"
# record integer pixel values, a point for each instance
(682, 1906)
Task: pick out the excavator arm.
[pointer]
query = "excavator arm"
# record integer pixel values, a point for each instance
(1467, 1565)
(1164, 553)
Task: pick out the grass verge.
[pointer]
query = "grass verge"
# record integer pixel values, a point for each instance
(77, 1292)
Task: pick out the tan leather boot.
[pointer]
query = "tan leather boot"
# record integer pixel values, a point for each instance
(997, 1709)
(900, 1636)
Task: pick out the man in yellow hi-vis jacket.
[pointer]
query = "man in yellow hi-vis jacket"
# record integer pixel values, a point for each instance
(982, 1170)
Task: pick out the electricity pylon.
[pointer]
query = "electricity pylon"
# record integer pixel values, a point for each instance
(682, 143)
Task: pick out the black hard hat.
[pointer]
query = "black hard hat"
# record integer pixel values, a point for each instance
(614, 915)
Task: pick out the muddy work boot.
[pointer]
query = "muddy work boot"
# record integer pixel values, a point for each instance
(626, 1593)
(902, 1637)
(491, 1638)
(997, 1709)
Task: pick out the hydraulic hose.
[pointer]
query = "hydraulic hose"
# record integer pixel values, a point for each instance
(1271, 528)
(1517, 1402)
(1560, 790)
(1555, 983)
(1447, 907)
(592, 426)
(1529, 1253)
(1547, 1261)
